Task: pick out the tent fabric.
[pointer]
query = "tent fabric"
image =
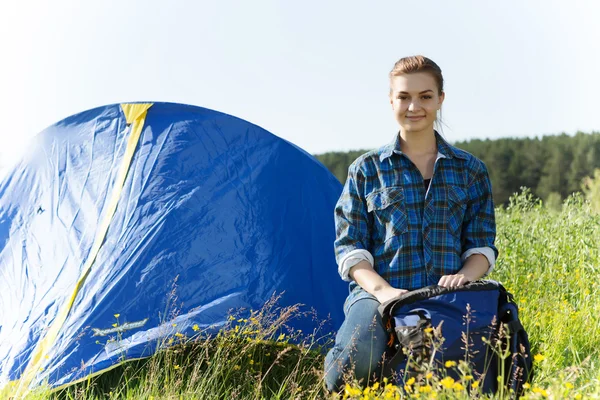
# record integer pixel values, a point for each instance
(203, 209)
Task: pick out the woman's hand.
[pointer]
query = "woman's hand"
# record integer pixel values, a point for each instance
(474, 268)
(456, 280)
(388, 293)
(364, 274)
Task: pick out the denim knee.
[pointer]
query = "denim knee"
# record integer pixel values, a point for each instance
(360, 343)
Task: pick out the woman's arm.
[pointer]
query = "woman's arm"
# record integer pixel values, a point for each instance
(478, 233)
(364, 274)
(352, 223)
(353, 230)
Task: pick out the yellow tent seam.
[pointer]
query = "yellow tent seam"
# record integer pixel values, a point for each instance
(135, 115)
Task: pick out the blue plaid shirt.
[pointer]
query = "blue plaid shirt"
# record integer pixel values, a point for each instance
(416, 235)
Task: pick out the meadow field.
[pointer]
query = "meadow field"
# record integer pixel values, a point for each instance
(550, 261)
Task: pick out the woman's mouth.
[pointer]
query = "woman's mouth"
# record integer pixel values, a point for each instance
(416, 118)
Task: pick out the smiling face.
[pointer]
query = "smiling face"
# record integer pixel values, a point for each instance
(415, 100)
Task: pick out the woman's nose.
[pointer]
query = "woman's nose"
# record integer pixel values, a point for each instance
(414, 105)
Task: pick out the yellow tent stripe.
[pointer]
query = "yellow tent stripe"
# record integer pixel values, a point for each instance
(135, 114)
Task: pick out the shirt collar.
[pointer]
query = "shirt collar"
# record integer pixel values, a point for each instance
(445, 150)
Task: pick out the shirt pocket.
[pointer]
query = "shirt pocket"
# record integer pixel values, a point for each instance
(389, 212)
(457, 207)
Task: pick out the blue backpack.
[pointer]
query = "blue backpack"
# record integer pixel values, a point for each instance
(473, 320)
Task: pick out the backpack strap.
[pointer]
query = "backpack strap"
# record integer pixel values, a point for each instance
(386, 310)
(519, 366)
(514, 327)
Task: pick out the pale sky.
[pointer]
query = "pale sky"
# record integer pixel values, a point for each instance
(312, 72)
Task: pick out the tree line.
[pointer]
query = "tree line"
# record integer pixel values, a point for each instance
(553, 167)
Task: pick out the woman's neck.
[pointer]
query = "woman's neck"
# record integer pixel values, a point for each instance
(418, 142)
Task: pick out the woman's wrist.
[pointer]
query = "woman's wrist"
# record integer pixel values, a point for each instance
(387, 293)
(475, 267)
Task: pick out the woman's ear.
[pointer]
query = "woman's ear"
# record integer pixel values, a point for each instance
(442, 97)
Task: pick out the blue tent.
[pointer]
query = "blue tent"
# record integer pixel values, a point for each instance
(115, 209)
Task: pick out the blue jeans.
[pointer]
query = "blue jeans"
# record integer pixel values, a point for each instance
(360, 342)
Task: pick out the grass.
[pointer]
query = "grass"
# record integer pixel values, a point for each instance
(550, 261)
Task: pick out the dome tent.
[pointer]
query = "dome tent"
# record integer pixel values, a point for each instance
(114, 206)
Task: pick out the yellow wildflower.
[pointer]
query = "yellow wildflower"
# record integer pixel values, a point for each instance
(179, 335)
(458, 387)
(115, 325)
(450, 364)
(578, 396)
(196, 327)
(117, 315)
(349, 391)
(410, 381)
(375, 386)
(425, 389)
(475, 384)
(429, 375)
(468, 377)
(236, 367)
(538, 358)
(447, 382)
(569, 385)
(175, 367)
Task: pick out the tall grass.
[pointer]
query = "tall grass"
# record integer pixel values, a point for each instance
(550, 261)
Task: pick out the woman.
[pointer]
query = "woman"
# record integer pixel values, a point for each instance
(413, 213)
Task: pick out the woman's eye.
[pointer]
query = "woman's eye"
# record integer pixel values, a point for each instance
(403, 97)
(426, 97)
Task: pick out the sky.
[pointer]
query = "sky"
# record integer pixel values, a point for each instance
(312, 72)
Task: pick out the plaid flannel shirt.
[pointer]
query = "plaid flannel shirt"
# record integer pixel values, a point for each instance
(415, 235)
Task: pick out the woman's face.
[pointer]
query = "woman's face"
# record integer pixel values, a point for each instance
(415, 101)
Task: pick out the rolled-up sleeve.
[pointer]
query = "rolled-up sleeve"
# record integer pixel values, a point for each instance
(351, 219)
(479, 228)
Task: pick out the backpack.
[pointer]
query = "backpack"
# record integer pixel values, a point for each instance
(479, 316)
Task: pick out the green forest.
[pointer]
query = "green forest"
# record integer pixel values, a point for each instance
(553, 167)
